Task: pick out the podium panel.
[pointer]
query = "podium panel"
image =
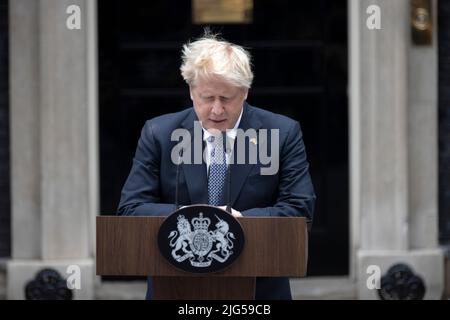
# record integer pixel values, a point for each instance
(274, 247)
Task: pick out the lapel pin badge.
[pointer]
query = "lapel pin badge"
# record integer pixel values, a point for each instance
(253, 140)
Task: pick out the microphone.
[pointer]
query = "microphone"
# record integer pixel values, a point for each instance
(228, 208)
(180, 154)
(227, 154)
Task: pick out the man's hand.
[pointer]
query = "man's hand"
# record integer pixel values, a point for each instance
(234, 213)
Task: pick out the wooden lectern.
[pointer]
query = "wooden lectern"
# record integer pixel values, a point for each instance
(274, 247)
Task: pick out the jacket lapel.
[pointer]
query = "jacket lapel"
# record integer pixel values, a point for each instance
(195, 174)
(240, 172)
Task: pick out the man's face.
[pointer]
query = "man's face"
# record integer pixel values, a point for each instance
(217, 103)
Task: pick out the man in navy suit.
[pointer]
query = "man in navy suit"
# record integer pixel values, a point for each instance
(219, 76)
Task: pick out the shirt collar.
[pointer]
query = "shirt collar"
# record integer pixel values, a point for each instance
(231, 133)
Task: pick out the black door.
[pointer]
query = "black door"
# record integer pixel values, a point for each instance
(300, 64)
(444, 121)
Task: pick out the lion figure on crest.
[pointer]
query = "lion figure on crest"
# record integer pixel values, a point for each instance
(184, 231)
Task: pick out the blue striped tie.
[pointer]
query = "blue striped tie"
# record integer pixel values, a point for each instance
(217, 172)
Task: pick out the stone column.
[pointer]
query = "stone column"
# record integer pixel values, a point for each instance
(393, 112)
(53, 122)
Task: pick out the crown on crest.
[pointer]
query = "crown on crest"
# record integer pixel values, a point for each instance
(201, 223)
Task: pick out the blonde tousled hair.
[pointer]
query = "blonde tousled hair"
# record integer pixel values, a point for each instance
(210, 57)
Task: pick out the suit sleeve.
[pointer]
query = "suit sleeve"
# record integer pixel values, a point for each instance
(296, 196)
(140, 194)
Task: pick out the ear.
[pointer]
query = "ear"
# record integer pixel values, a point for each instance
(245, 94)
(191, 93)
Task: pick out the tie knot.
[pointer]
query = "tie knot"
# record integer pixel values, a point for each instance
(217, 140)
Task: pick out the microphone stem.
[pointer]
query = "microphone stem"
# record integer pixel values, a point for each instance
(228, 189)
(177, 181)
(228, 155)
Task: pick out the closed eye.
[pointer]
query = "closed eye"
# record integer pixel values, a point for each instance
(208, 98)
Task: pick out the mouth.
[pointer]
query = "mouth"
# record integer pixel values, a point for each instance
(217, 121)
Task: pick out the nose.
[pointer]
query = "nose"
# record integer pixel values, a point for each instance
(217, 108)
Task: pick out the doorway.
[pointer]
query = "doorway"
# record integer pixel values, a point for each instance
(299, 54)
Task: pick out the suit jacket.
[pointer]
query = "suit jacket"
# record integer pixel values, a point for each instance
(150, 187)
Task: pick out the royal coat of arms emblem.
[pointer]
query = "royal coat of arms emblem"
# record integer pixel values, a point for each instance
(201, 245)
(201, 240)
